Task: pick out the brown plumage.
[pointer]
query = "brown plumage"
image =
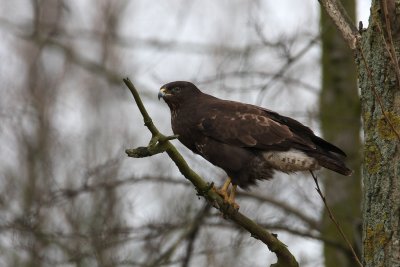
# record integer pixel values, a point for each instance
(247, 141)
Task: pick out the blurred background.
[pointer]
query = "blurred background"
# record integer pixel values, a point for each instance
(69, 196)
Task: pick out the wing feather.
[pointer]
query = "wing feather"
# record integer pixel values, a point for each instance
(246, 125)
(304, 131)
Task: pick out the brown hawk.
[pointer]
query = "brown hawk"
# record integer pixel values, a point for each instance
(248, 142)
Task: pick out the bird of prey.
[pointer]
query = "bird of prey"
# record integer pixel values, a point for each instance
(248, 142)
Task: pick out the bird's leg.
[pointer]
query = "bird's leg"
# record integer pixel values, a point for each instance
(228, 195)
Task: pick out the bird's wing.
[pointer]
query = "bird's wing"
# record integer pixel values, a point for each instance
(304, 132)
(246, 125)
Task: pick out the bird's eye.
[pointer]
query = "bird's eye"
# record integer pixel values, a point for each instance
(176, 89)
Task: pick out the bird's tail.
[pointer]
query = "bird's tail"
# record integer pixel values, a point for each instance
(332, 162)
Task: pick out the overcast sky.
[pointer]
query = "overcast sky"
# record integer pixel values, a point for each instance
(197, 25)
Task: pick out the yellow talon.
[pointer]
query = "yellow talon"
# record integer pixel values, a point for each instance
(228, 195)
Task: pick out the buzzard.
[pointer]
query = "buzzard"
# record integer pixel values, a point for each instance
(248, 142)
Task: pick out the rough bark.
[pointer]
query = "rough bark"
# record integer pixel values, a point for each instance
(380, 95)
(377, 55)
(340, 123)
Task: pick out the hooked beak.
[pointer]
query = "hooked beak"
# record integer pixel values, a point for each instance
(161, 93)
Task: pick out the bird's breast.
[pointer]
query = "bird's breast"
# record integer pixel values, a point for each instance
(187, 134)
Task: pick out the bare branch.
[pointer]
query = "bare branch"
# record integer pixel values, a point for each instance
(342, 21)
(389, 16)
(281, 72)
(350, 33)
(70, 193)
(285, 258)
(189, 234)
(377, 96)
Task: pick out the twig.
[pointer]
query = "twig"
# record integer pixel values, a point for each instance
(387, 47)
(285, 258)
(342, 21)
(69, 193)
(332, 217)
(280, 73)
(339, 16)
(188, 234)
(389, 43)
(377, 97)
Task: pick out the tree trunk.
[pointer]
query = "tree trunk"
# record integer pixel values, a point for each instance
(381, 169)
(340, 124)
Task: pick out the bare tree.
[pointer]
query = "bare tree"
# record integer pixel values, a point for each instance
(340, 123)
(69, 195)
(376, 51)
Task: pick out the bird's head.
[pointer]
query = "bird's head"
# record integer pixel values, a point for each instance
(177, 93)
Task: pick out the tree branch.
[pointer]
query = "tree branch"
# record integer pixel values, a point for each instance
(160, 143)
(342, 21)
(350, 33)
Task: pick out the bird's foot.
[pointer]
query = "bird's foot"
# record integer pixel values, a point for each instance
(228, 194)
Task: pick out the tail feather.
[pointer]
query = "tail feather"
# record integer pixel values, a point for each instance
(332, 162)
(326, 146)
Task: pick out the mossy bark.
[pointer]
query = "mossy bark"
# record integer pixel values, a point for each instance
(340, 124)
(381, 168)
